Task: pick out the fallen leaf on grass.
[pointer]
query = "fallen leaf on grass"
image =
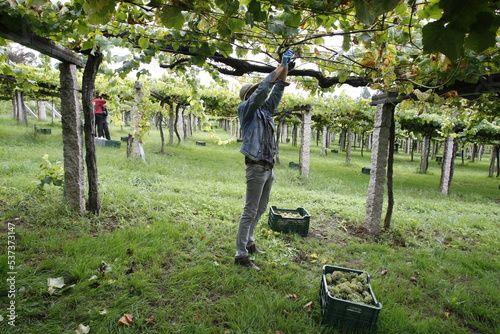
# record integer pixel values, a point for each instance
(203, 237)
(197, 317)
(103, 311)
(55, 282)
(150, 320)
(286, 312)
(126, 319)
(308, 306)
(82, 329)
(292, 295)
(218, 256)
(104, 268)
(384, 272)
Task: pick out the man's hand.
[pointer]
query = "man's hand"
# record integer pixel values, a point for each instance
(287, 56)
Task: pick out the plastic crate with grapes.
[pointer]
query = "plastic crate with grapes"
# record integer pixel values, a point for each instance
(289, 220)
(347, 299)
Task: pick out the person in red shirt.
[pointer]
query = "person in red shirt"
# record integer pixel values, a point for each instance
(100, 117)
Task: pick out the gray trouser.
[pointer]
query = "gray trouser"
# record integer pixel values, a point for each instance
(259, 182)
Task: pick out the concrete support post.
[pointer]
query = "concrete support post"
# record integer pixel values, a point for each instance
(449, 153)
(137, 114)
(380, 146)
(305, 144)
(324, 141)
(42, 113)
(72, 134)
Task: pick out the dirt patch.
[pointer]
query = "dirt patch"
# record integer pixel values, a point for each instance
(334, 227)
(331, 229)
(110, 222)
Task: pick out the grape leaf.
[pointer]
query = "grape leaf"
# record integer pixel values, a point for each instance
(292, 19)
(99, 11)
(172, 17)
(439, 38)
(143, 42)
(235, 25)
(368, 10)
(461, 14)
(480, 41)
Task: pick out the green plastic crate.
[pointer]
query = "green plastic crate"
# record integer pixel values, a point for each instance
(279, 223)
(343, 313)
(43, 131)
(113, 143)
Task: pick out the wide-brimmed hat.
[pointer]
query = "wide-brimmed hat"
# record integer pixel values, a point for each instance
(245, 89)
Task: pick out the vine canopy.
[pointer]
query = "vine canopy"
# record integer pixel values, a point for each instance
(387, 44)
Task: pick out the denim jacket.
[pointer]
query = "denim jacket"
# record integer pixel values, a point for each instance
(256, 114)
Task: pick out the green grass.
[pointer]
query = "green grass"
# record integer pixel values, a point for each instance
(168, 226)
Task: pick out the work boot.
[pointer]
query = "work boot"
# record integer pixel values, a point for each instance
(246, 262)
(253, 249)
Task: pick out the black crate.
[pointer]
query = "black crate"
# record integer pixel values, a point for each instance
(366, 170)
(44, 131)
(344, 313)
(113, 143)
(279, 223)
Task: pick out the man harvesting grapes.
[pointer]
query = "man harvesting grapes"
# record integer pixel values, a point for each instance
(255, 113)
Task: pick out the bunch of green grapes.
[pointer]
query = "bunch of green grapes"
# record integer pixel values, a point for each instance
(290, 214)
(349, 286)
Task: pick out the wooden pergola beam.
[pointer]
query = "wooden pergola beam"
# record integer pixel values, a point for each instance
(43, 45)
